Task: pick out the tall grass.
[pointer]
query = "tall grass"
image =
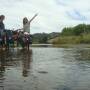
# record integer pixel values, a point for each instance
(85, 38)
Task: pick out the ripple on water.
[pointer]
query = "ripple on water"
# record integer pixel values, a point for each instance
(44, 68)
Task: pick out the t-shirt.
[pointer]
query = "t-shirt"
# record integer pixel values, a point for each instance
(2, 27)
(26, 27)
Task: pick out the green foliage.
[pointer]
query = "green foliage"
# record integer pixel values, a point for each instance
(74, 35)
(69, 35)
(67, 31)
(86, 38)
(43, 37)
(68, 40)
(77, 30)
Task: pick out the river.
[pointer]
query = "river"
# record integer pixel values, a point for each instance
(45, 68)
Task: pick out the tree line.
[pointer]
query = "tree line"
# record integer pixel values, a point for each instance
(76, 30)
(79, 34)
(43, 37)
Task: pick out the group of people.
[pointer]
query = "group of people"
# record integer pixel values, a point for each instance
(20, 36)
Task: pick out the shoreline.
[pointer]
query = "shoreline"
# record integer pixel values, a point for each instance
(72, 45)
(62, 45)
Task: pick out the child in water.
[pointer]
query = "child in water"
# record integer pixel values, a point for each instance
(25, 35)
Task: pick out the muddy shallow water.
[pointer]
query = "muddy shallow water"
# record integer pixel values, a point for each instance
(45, 68)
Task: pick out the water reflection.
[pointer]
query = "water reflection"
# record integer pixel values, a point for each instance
(2, 68)
(68, 69)
(2, 62)
(27, 58)
(12, 59)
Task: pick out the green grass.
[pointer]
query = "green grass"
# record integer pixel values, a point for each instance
(82, 39)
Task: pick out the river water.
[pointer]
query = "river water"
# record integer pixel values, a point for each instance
(45, 68)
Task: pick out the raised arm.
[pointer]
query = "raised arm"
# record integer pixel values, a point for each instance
(33, 18)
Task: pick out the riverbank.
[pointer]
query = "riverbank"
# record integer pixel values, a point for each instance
(79, 34)
(62, 45)
(81, 39)
(72, 45)
(41, 45)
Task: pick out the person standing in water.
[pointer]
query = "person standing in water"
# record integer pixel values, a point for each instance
(26, 23)
(25, 35)
(2, 30)
(2, 26)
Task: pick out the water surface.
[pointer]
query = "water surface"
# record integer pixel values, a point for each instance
(45, 68)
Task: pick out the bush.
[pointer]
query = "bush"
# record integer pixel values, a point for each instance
(72, 39)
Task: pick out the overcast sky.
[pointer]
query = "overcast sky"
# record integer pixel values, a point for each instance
(53, 15)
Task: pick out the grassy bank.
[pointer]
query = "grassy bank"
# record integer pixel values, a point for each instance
(81, 39)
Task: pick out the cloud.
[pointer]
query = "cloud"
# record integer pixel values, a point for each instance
(60, 2)
(75, 15)
(53, 15)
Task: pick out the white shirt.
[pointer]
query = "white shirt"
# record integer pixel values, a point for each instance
(26, 27)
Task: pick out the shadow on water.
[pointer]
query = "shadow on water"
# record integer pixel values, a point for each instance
(12, 59)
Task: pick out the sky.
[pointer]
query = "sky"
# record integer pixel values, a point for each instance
(53, 15)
